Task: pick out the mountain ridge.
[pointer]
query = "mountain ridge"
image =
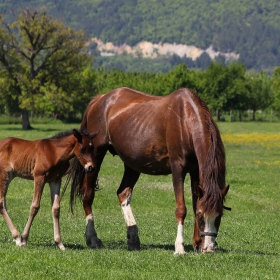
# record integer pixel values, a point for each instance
(249, 28)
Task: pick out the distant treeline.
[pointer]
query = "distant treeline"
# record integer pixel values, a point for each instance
(228, 90)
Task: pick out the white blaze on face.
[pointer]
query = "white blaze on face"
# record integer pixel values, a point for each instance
(127, 212)
(209, 241)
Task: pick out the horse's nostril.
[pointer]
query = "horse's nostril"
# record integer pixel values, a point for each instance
(90, 169)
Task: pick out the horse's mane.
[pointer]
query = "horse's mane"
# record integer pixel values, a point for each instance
(84, 120)
(212, 172)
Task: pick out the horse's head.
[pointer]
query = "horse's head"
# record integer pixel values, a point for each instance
(84, 149)
(207, 223)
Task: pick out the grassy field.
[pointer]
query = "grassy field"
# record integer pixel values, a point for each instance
(249, 236)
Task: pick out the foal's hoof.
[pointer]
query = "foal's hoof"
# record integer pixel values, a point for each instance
(60, 246)
(20, 242)
(94, 243)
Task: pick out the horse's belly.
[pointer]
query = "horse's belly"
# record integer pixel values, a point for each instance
(143, 160)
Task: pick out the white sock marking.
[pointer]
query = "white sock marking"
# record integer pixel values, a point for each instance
(127, 213)
(179, 243)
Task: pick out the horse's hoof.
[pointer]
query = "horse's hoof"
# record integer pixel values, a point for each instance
(133, 246)
(133, 241)
(179, 253)
(94, 243)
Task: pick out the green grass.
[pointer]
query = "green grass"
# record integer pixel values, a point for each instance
(248, 237)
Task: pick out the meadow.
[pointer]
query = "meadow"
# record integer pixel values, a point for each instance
(249, 246)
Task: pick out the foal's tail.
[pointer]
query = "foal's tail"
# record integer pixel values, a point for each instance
(76, 175)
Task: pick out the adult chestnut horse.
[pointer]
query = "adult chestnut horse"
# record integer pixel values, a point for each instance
(44, 161)
(155, 135)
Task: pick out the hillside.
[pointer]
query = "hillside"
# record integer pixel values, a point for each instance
(248, 29)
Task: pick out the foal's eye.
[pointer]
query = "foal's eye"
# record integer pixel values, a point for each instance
(83, 150)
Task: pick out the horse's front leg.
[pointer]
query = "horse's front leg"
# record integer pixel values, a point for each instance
(55, 199)
(181, 210)
(124, 193)
(92, 240)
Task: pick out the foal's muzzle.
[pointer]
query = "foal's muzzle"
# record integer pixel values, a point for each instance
(89, 169)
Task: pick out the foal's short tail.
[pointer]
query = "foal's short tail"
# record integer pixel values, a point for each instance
(76, 175)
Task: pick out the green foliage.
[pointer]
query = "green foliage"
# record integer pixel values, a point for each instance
(41, 60)
(224, 86)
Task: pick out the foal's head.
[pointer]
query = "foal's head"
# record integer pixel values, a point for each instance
(84, 149)
(207, 223)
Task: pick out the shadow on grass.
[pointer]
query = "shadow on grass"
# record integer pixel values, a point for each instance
(122, 245)
(66, 245)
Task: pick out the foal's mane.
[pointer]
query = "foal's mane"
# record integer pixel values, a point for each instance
(212, 173)
(61, 134)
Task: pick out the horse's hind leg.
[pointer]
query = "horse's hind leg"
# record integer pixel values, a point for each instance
(55, 190)
(4, 181)
(124, 193)
(34, 208)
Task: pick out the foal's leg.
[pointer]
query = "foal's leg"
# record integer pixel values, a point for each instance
(34, 208)
(178, 184)
(92, 240)
(55, 190)
(4, 183)
(124, 193)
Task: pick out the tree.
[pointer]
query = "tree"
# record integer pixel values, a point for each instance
(276, 89)
(259, 92)
(39, 59)
(224, 87)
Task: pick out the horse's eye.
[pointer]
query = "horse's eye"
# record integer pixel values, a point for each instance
(83, 150)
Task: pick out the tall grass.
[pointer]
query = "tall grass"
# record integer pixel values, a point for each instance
(248, 237)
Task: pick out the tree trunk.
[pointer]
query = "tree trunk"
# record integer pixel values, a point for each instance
(254, 115)
(230, 116)
(25, 120)
(218, 115)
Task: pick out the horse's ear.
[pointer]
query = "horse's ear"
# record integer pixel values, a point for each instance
(78, 135)
(224, 191)
(197, 190)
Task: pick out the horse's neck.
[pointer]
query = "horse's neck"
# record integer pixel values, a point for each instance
(64, 147)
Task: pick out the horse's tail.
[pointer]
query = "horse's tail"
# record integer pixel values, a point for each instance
(75, 174)
(212, 171)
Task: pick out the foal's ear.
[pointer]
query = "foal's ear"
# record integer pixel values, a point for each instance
(78, 135)
(224, 191)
